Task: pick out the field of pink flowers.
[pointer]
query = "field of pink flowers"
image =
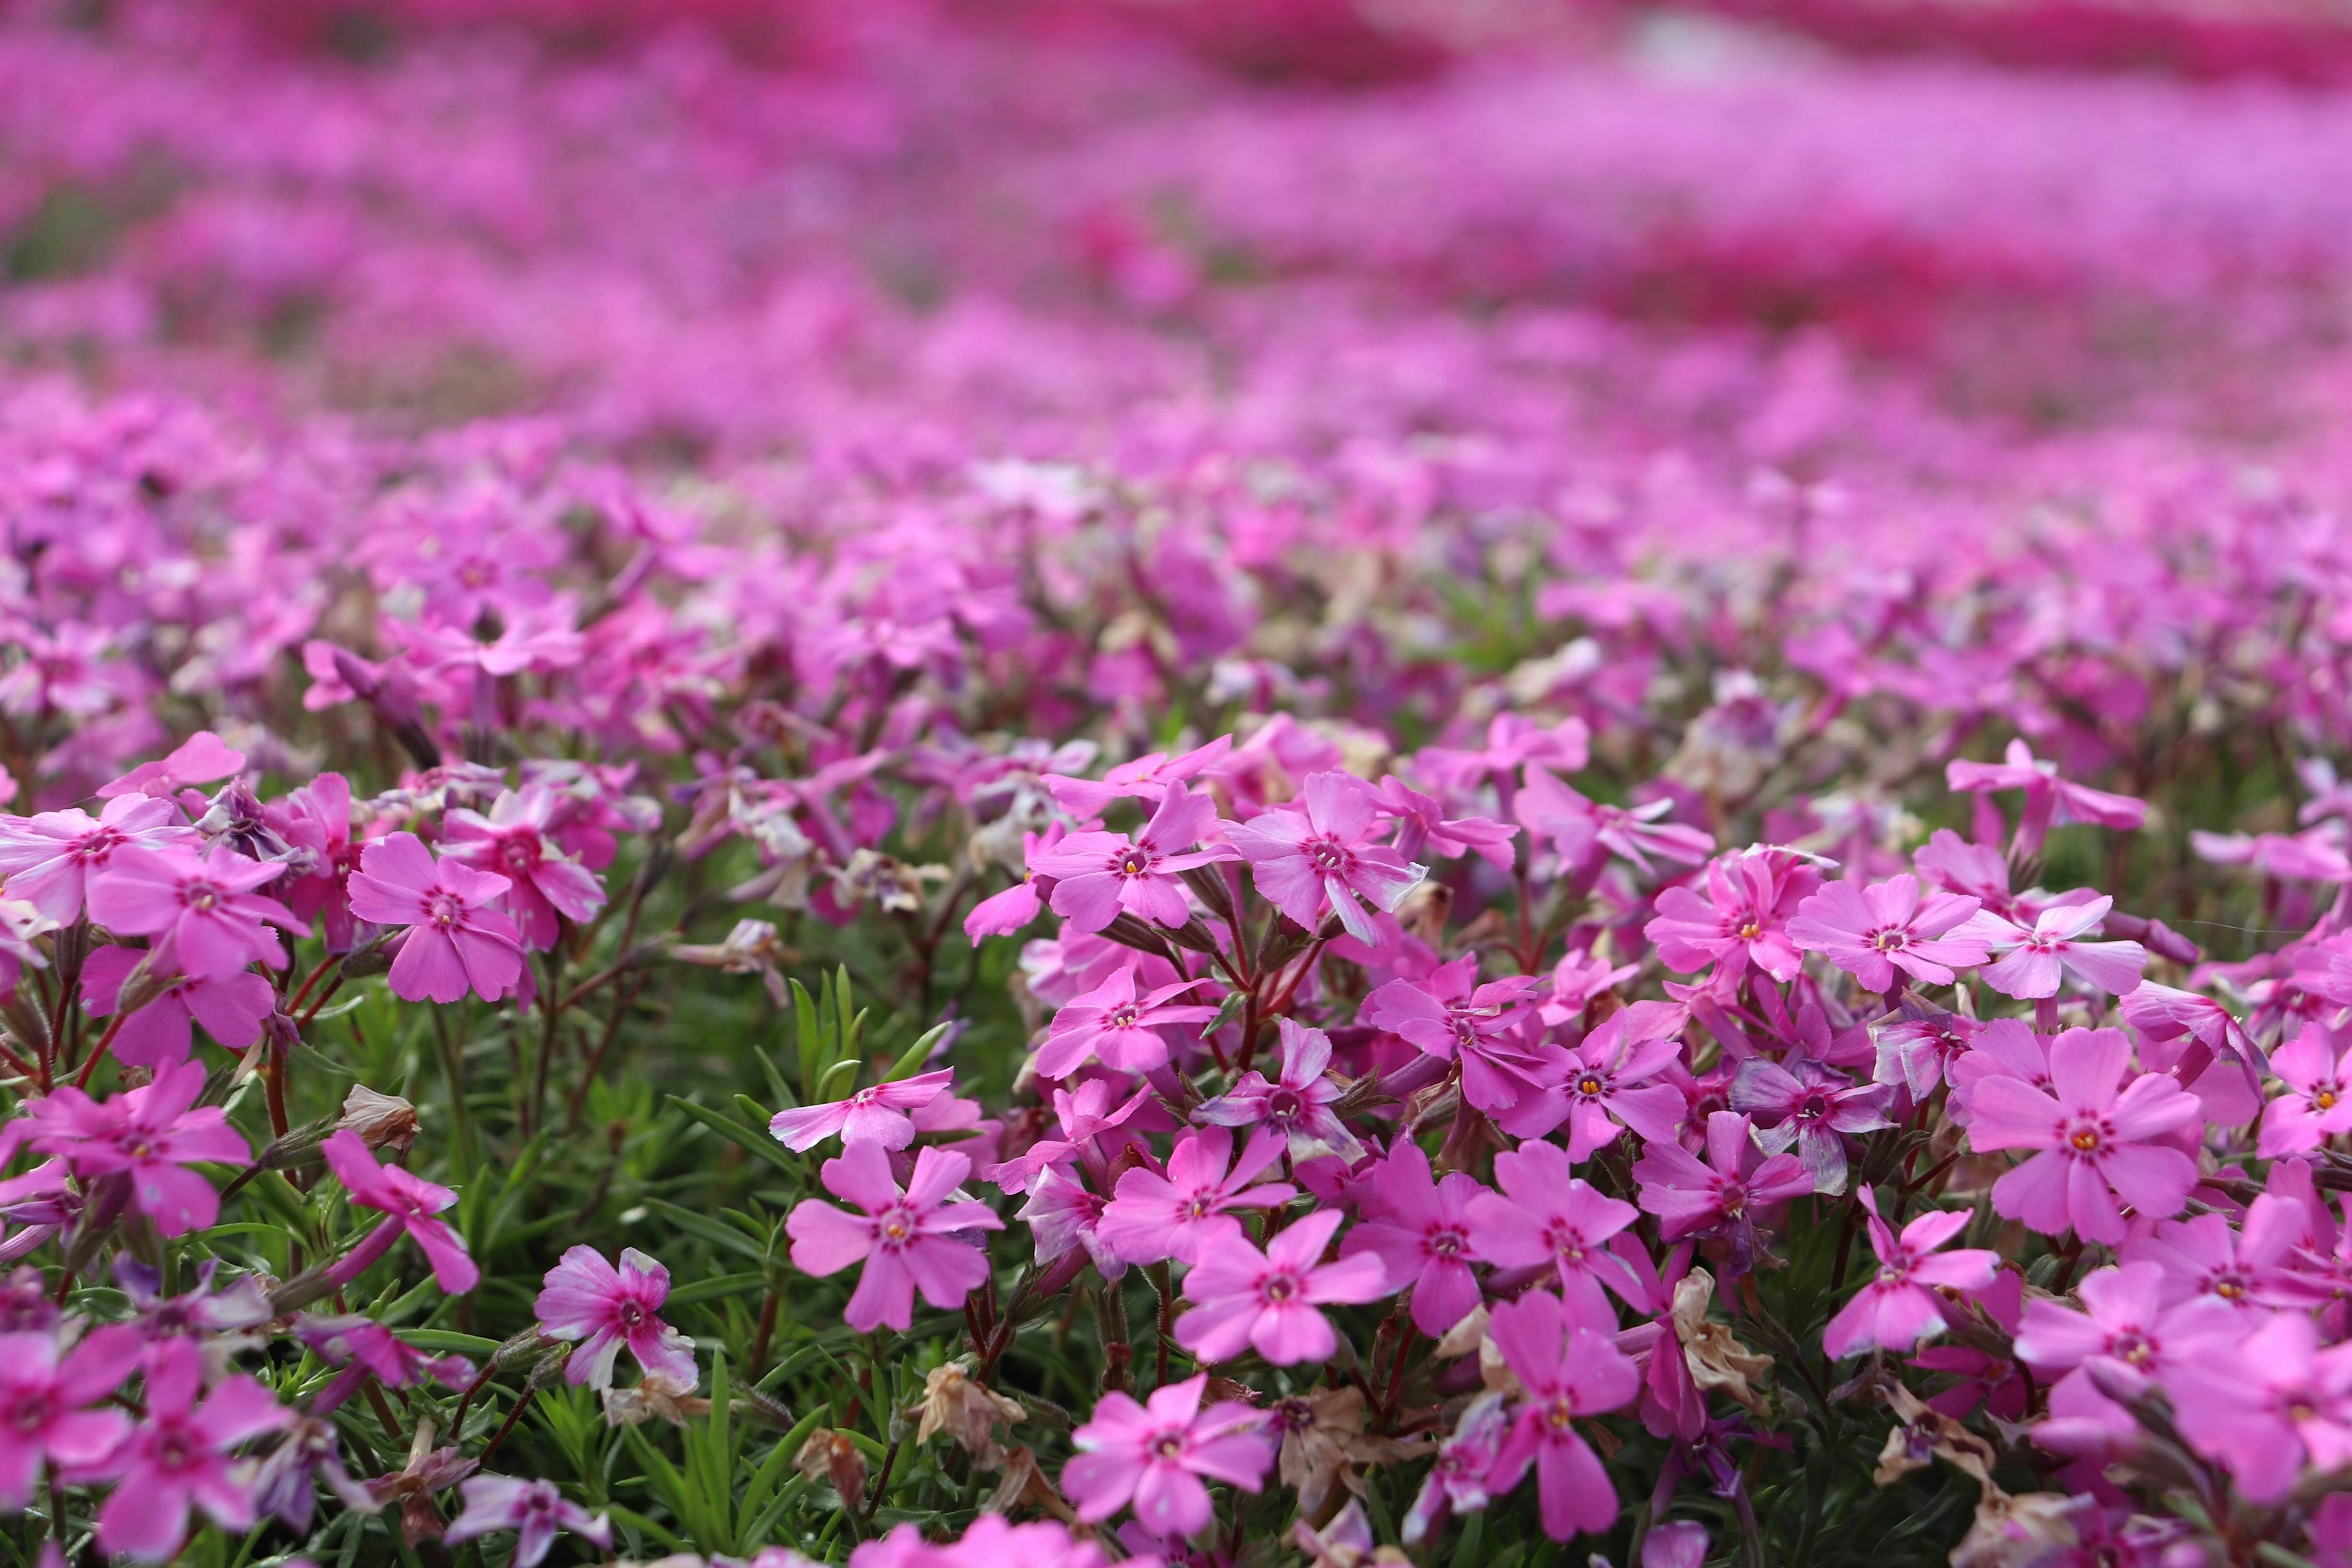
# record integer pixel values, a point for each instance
(1242, 781)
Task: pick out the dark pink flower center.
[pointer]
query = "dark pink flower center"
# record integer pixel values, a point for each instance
(1169, 1446)
(1134, 863)
(895, 1227)
(1279, 1287)
(2133, 1348)
(1592, 1084)
(630, 1314)
(520, 854)
(99, 845)
(2087, 1135)
(1559, 1414)
(1284, 1104)
(200, 897)
(1328, 855)
(1733, 1198)
(443, 909)
(1892, 939)
(32, 1411)
(1124, 1017)
(1446, 1243)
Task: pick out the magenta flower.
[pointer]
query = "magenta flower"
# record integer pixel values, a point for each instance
(1270, 1300)
(2050, 800)
(1152, 1217)
(600, 1308)
(1811, 1106)
(1099, 876)
(2126, 1331)
(1421, 824)
(147, 1135)
(1898, 1307)
(2091, 1137)
(1579, 828)
(1723, 1192)
(1118, 1027)
(534, 1510)
(908, 1241)
(317, 819)
(1156, 1454)
(1307, 862)
(2268, 1405)
(2032, 962)
(179, 1455)
(232, 1009)
(1298, 1104)
(45, 1390)
(1420, 1230)
(411, 1206)
(1458, 1477)
(1607, 1084)
(1450, 1017)
(1546, 1216)
(1870, 932)
(1743, 918)
(514, 841)
(877, 1114)
(2317, 1104)
(1568, 1371)
(203, 915)
(455, 944)
(1147, 777)
(49, 859)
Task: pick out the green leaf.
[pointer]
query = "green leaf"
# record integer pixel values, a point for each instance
(758, 1141)
(718, 1286)
(839, 1080)
(810, 1040)
(911, 1059)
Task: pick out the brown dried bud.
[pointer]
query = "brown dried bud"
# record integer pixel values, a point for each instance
(382, 1120)
(829, 1456)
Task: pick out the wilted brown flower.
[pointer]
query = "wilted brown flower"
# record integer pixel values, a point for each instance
(382, 1120)
(952, 1403)
(829, 1456)
(656, 1394)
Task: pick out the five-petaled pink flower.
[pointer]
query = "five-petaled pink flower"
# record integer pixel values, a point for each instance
(2049, 799)
(534, 1510)
(411, 1206)
(1545, 1214)
(909, 1240)
(202, 913)
(1870, 932)
(1580, 829)
(1153, 1217)
(1118, 1027)
(2319, 1101)
(1452, 1016)
(514, 841)
(1722, 1193)
(148, 1136)
(1272, 1301)
(1099, 876)
(1158, 1454)
(1608, 1082)
(600, 1308)
(2091, 1135)
(45, 1393)
(455, 941)
(876, 1114)
(49, 859)
(2033, 960)
(232, 1009)
(179, 1455)
(1898, 1307)
(1298, 1104)
(2269, 1405)
(1569, 1370)
(1419, 1229)
(2127, 1330)
(1321, 859)
(1742, 920)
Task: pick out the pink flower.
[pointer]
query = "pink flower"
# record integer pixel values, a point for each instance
(43, 1390)
(150, 1136)
(2050, 800)
(1421, 824)
(202, 913)
(2127, 1332)
(1147, 777)
(179, 1455)
(534, 1510)
(1606, 1086)
(2032, 961)
(1116, 1027)
(2092, 1141)
(1099, 875)
(454, 943)
(2269, 1405)
(1152, 1217)
(1568, 1371)
(1743, 918)
(318, 818)
(1546, 1216)
(1420, 1230)
(1321, 859)
(513, 842)
(232, 1009)
(1458, 1477)
(1268, 1300)
(2317, 1104)
(1444, 1016)
(877, 1114)
(411, 1206)
(908, 1241)
(1871, 932)
(49, 859)
(600, 1308)
(1897, 1307)
(1298, 1105)
(1723, 1193)
(1811, 1106)
(1581, 828)
(202, 758)
(1156, 1454)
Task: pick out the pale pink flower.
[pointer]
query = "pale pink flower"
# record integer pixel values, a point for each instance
(534, 1510)
(1896, 1308)
(2092, 1137)
(49, 859)
(1743, 918)
(232, 1008)
(411, 1206)
(203, 915)
(149, 1136)
(455, 943)
(1153, 1217)
(2126, 1332)
(1157, 1456)
(876, 1114)
(1307, 862)
(1421, 824)
(1581, 828)
(1271, 1300)
(600, 1308)
(2318, 1104)
(1298, 1104)
(515, 841)
(1458, 1477)
(2050, 800)
(1812, 1107)
(1118, 1028)
(202, 758)
(1568, 1371)
(179, 1455)
(45, 1392)
(909, 1240)
(2033, 960)
(1147, 777)
(1870, 932)
(1099, 875)
(2269, 1405)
